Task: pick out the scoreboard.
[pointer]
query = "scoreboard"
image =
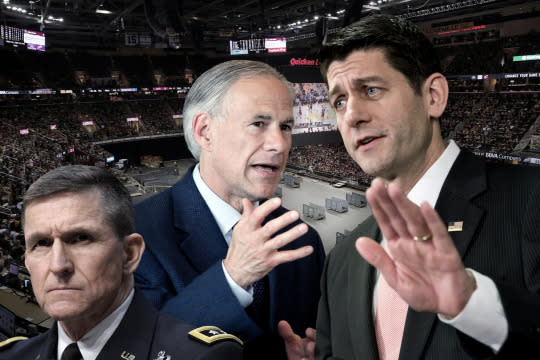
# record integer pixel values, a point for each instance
(12, 35)
(34, 40)
(258, 46)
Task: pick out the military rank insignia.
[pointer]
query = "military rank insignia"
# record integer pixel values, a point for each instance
(7, 343)
(212, 334)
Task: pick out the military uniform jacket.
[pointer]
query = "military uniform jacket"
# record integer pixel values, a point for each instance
(143, 334)
(500, 237)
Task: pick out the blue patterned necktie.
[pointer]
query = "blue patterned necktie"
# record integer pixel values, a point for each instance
(259, 307)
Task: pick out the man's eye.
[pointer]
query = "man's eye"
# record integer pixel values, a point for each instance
(43, 242)
(258, 123)
(373, 91)
(339, 104)
(81, 237)
(286, 127)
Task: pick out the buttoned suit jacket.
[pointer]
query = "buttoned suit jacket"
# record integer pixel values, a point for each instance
(500, 209)
(181, 271)
(142, 334)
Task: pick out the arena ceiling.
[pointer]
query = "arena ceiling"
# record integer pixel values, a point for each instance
(104, 23)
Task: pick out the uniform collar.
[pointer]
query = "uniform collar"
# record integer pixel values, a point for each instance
(93, 341)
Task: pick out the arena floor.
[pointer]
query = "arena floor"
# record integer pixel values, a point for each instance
(149, 181)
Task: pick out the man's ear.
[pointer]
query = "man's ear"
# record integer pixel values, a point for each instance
(435, 90)
(133, 249)
(202, 123)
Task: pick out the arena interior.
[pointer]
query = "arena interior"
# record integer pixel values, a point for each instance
(80, 86)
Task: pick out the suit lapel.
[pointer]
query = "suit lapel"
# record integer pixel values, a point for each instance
(360, 303)
(192, 215)
(465, 181)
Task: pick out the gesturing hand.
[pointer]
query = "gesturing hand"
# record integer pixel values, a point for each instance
(428, 274)
(297, 348)
(253, 252)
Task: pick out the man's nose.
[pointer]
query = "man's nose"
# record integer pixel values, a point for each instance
(60, 259)
(277, 139)
(355, 112)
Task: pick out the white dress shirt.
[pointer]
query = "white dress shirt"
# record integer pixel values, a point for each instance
(93, 342)
(226, 217)
(483, 317)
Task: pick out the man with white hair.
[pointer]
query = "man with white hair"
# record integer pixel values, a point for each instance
(238, 123)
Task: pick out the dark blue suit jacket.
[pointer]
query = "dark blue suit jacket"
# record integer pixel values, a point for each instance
(142, 334)
(181, 269)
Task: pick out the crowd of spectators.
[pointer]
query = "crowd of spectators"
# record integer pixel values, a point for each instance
(329, 160)
(105, 117)
(494, 122)
(38, 133)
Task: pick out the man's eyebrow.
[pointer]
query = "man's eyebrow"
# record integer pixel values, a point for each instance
(32, 238)
(334, 90)
(289, 120)
(263, 117)
(356, 83)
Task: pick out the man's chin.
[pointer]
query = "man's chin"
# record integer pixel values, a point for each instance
(64, 312)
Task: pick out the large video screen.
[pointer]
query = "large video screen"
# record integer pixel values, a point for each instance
(258, 46)
(275, 45)
(312, 110)
(34, 40)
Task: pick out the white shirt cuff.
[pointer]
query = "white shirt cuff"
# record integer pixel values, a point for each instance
(245, 297)
(483, 317)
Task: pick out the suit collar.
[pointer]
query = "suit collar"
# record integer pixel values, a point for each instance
(193, 217)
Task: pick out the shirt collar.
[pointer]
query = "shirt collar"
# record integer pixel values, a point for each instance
(93, 341)
(430, 184)
(225, 215)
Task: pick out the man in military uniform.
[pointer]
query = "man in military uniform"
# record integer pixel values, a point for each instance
(81, 252)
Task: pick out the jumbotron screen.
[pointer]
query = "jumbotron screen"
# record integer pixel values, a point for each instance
(258, 46)
(312, 111)
(34, 40)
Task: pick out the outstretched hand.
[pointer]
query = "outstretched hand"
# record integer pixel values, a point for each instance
(253, 252)
(428, 274)
(297, 348)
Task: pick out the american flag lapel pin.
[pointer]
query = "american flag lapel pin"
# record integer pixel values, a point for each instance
(455, 226)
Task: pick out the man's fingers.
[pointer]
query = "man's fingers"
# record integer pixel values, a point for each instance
(374, 254)
(287, 237)
(255, 217)
(285, 331)
(386, 204)
(384, 221)
(441, 238)
(273, 226)
(409, 211)
(311, 334)
(281, 257)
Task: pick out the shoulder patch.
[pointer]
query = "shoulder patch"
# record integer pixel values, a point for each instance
(7, 343)
(212, 334)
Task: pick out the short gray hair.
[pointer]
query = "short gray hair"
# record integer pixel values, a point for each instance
(116, 204)
(210, 89)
